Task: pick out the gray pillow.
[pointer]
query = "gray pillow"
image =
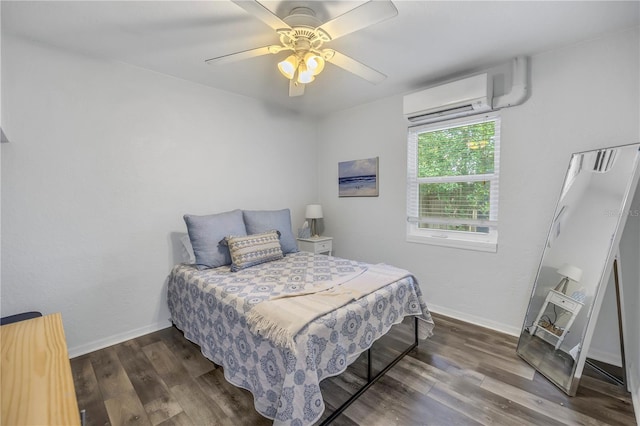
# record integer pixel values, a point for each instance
(253, 250)
(205, 233)
(187, 250)
(259, 221)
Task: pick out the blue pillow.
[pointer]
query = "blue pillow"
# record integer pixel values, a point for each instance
(259, 221)
(205, 233)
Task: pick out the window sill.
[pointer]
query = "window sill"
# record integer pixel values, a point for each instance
(486, 246)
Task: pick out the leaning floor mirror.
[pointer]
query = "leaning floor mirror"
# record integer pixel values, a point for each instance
(577, 262)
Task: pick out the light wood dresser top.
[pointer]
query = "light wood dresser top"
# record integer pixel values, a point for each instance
(37, 385)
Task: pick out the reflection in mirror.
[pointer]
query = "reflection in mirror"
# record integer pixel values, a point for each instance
(576, 258)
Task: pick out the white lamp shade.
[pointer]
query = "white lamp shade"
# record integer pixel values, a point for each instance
(288, 66)
(314, 63)
(572, 272)
(314, 211)
(305, 75)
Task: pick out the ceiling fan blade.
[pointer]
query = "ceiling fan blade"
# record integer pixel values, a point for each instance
(238, 56)
(259, 11)
(366, 14)
(358, 68)
(295, 89)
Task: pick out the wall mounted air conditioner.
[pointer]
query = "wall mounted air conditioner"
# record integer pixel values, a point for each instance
(471, 95)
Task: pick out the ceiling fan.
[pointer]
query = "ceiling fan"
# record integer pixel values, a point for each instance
(304, 34)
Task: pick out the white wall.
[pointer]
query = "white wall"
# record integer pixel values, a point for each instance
(630, 274)
(583, 97)
(104, 160)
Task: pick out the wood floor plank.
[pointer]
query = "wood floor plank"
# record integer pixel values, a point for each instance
(497, 404)
(166, 364)
(188, 354)
(339, 421)
(418, 382)
(88, 392)
(156, 336)
(418, 408)
(613, 412)
(614, 391)
(181, 419)
(349, 381)
(538, 385)
(126, 409)
(618, 408)
(334, 397)
(434, 371)
(462, 358)
(478, 409)
(361, 411)
(523, 370)
(470, 376)
(231, 399)
(374, 410)
(201, 409)
(144, 378)
(507, 361)
(162, 409)
(536, 403)
(112, 377)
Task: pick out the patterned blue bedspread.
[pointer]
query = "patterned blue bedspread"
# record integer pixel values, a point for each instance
(210, 307)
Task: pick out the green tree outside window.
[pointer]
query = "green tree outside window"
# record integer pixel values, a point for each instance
(464, 152)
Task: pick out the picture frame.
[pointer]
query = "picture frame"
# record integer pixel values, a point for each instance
(358, 178)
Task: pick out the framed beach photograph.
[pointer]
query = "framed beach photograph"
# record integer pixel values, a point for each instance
(358, 178)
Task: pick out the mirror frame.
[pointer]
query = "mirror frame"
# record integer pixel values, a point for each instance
(596, 304)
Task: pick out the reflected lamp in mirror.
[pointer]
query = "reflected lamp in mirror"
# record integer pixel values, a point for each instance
(314, 212)
(569, 273)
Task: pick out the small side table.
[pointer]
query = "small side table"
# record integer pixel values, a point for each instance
(564, 302)
(316, 245)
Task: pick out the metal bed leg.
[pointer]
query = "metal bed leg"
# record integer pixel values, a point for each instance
(371, 381)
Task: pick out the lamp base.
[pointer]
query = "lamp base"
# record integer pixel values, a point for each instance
(562, 285)
(314, 229)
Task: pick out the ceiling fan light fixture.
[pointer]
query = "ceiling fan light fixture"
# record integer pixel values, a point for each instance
(302, 32)
(314, 63)
(305, 75)
(288, 66)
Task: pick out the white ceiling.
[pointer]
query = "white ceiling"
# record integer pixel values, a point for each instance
(427, 42)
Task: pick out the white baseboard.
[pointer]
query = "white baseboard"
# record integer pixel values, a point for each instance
(483, 322)
(117, 338)
(606, 357)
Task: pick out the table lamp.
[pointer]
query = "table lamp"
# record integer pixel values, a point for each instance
(569, 273)
(314, 211)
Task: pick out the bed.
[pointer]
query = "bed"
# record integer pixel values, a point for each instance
(216, 309)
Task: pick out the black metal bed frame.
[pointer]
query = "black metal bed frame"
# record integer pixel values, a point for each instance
(372, 380)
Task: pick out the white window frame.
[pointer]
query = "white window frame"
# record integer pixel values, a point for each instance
(457, 239)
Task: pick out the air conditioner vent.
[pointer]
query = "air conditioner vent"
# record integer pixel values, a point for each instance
(459, 98)
(604, 160)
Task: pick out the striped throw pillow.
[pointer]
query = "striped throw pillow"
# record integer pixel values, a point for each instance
(254, 249)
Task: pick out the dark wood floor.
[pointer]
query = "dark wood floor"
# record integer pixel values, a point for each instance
(463, 375)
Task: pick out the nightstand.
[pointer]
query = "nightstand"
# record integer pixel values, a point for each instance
(565, 304)
(316, 245)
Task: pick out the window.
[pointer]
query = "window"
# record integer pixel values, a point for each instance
(452, 182)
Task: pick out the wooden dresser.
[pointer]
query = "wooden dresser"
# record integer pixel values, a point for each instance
(37, 384)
